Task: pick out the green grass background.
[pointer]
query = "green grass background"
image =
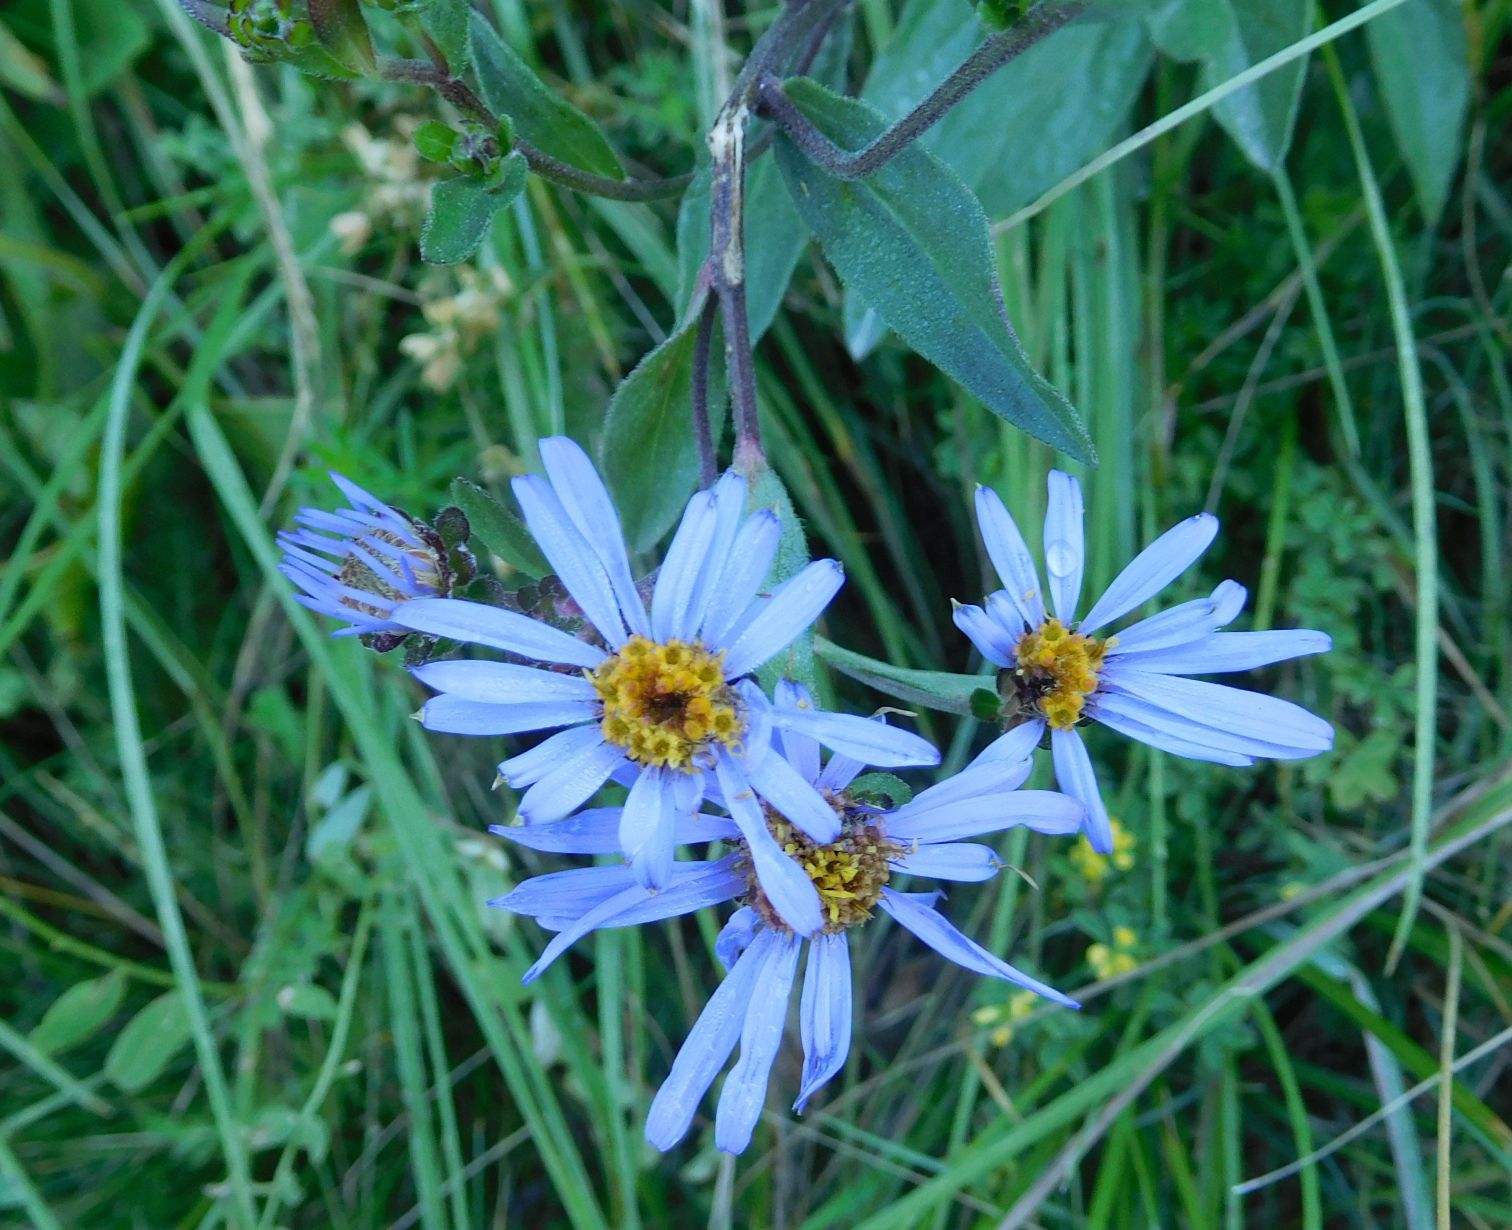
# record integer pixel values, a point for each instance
(246, 971)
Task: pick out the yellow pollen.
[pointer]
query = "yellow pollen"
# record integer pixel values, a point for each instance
(849, 873)
(665, 702)
(1060, 667)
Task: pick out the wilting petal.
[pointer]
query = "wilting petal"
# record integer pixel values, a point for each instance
(707, 1047)
(744, 1089)
(824, 1017)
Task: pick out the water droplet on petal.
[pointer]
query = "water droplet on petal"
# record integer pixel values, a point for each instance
(1060, 559)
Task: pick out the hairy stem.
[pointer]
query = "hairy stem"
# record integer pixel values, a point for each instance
(464, 99)
(703, 341)
(771, 101)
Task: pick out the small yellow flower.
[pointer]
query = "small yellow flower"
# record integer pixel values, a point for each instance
(1094, 866)
(1107, 961)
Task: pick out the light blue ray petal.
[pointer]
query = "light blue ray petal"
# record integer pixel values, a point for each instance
(1074, 774)
(1224, 652)
(591, 920)
(1010, 556)
(568, 786)
(646, 828)
(479, 624)
(940, 934)
(1120, 716)
(839, 771)
(1152, 570)
(596, 831)
(586, 501)
(792, 608)
(744, 1091)
(455, 715)
(1014, 746)
(992, 640)
(568, 893)
(672, 600)
(706, 1048)
(1159, 727)
(824, 1014)
(1185, 622)
(785, 883)
(793, 796)
(866, 739)
(530, 766)
(1044, 811)
(570, 556)
(1065, 544)
(729, 503)
(749, 562)
(966, 861)
(736, 936)
(502, 683)
(693, 886)
(801, 750)
(1233, 711)
(356, 496)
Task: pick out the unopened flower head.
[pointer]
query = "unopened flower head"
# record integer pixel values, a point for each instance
(361, 562)
(809, 869)
(1056, 672)
(660, 698)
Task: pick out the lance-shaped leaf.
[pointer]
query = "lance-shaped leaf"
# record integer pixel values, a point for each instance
(649, 452)
(540, 115)
(1228, 36)
(1423, 64)
(498, 529)
(913, 240)
(342, 31)
(933, 689)
(446, 23)
(462, 208)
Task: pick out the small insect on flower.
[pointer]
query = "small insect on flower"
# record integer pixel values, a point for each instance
(362, 562)
(1055, 673)
(797, 891)
(662, 701)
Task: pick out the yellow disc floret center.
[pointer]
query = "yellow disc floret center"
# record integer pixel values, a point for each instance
(849, 873)
(665, 702)
(1059, 668)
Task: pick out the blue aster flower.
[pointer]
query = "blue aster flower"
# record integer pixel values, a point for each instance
(664, 704)
(361, 562)
(1056, 674)
(798, 893)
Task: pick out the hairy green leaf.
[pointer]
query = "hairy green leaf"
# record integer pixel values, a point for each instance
(648, 451)
(1423, 66)
(462, 208)
(540, 115)
(498, 529)
(446, 23)
(148, 1043)
(340, 27)
(933, 689)
(913, 240)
